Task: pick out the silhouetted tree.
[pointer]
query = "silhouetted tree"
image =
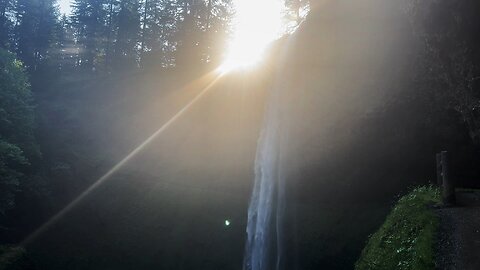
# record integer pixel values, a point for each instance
(89, 18)
(159, 25)
(112, 9)
(200, 23)
(127, 33)
(215, 24)
(35, 30)
(66, 53)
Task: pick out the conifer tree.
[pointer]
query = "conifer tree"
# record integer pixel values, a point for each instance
(128, 33)
(158, 28)
(35, 30)
(89, 18)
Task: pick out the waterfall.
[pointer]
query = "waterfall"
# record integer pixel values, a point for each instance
(264, 245)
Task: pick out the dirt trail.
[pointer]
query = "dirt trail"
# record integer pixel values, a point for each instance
(458, 242)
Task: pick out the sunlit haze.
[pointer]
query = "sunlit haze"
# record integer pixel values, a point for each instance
(255, 25)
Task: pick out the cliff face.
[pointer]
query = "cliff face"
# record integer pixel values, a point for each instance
(343, 66)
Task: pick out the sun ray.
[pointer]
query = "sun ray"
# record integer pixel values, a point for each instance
(211, 78)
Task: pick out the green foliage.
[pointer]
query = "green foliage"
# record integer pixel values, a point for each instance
(17, 143)
(405, 240)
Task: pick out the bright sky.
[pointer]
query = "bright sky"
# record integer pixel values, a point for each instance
(64, 6)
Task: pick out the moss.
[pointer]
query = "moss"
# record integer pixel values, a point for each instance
(405, 240)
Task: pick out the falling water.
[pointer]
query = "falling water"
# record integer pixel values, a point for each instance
(264, 246)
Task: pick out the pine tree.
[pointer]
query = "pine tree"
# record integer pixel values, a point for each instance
(112, 9)
(201, 24)
(158, 28)
(128, 33)
(35, 30)
(27, 17)
(187, 35)
(47, 28)
(67, 49)
(216, 26)
(89, 17)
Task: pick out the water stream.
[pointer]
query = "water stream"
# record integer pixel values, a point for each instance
(265, 244)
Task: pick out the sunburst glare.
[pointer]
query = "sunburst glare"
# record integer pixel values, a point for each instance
(255, 25)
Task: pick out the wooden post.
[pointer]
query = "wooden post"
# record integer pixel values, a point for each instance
(439, 170)
(448, 191)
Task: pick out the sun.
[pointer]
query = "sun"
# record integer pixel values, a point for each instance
(256, 24)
